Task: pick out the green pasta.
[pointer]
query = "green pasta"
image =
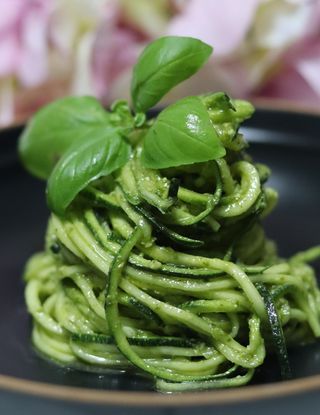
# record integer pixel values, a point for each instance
(161, 297)
(168, 271)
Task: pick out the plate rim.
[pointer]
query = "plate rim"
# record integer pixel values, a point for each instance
(248, 393)
(244, 394)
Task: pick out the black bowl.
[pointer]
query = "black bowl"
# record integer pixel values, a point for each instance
(289, 143)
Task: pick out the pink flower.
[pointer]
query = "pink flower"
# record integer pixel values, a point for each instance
(222, 24)
(298, 77)
(262, 48)
(115, 49)
(24, 39)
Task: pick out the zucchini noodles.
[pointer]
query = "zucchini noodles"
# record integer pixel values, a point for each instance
(169, 272)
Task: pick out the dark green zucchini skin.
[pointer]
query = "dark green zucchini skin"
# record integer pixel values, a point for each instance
(174, 236)
(276, 332)
(135, 341)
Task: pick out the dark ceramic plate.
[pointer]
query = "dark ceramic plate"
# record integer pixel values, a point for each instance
(288, 142)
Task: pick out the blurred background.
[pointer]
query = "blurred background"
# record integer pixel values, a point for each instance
(263, 49)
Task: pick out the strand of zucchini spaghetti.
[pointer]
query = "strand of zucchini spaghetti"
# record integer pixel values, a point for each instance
(106, 294)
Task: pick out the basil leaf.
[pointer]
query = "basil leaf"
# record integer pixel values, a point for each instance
(163, 64)
(182, 134)
(95, 155)
(54, 128)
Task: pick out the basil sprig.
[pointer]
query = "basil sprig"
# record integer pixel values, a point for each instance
(162, 65)
(181, 134)
(74, 141)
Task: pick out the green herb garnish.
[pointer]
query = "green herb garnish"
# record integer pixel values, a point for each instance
(74, 140)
